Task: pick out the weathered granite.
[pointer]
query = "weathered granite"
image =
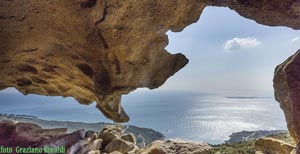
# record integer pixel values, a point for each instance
(119, 145)
(287, 92)
(31, 135)
(144, 136)
(273, 146)
(98, 50)
(176, 146)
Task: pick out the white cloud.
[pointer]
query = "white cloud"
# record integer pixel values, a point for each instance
(296, 39)
(241, 43)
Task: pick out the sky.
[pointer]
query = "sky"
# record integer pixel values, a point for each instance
(229, 52)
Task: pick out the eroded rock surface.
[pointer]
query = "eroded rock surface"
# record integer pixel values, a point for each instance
(271, 12)
(26, 134)
(98, 50)
(13, 134)
(287, 90)
(92, 50)
(144, 136)
(273, 146)
(176, 146)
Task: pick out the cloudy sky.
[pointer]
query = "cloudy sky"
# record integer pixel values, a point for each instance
(229, 52)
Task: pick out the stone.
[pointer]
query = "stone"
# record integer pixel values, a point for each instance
(90, 134)
(94, 152)
(297, 150)
(266, 12)
(66, 140)
(273, 146)
(287, 90)
(134, 150)
(176, 146)
(119, 145)
(26, 134)
(86, 145)
(115, 152)
(99, 50)
(129, 138)
(293, 152)
(110, 132)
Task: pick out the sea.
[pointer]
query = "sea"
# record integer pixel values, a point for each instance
(199, 116)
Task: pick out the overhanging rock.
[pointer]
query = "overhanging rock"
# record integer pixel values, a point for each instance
(98, 50)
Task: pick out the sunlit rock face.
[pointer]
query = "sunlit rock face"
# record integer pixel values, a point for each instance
(91, 50)
(98, 50)
(267, 145)
(287, 92)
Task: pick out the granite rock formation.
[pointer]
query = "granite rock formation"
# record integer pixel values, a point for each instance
(98, 50)
(273, 146)
(24, 134)
(110, 140)
(79, 142)
(176, 146)
(143, 136)
(287, 90)
(271, 12)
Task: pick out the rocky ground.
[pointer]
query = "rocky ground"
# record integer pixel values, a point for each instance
(119, 139)
(144, 136)
(110, 140)
(251, 146)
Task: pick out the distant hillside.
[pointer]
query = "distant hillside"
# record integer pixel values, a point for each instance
(144, 136)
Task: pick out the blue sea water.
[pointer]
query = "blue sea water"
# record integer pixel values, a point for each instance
(208, 117)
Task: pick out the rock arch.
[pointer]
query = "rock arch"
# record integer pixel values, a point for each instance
(98, 50)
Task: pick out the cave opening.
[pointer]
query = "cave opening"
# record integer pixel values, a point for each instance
(216, 94)
(227, 85)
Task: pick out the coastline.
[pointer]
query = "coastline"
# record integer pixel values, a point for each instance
(144, 136)
(148, 138)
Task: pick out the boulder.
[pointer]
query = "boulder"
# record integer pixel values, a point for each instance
(129, 138)
(110, 132)
(67, 139)
(268, 145)
(175, 146)
(287, 92)
(94, 152)
(26, 134)
(115, 152)
(293, 152)
(86, 145)
(134, 150)
(90, 134)
(119, 145)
